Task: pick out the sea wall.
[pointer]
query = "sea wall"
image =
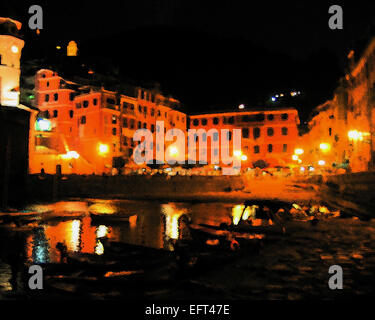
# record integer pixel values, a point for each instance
(131, 187)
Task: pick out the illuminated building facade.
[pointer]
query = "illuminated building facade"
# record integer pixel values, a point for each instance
(268, 135)
(92, 128)
(345, 124)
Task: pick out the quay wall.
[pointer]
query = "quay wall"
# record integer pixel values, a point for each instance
(130, 187)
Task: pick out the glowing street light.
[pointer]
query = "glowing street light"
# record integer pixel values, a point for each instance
(173, 151)
(321, 162)
(299, 151)
(237, 153)
(103, 149)
(14, 49)
(295, 157)
(244, 158)
(43, 125)
(325, 147)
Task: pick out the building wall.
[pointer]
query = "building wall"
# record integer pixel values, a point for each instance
(268, 135)
(85, 121)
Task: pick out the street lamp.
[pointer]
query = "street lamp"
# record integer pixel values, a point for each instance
(325, 147)
(299, 151)
(103, 149)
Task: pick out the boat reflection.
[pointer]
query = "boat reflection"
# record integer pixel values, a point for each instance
(78, 235)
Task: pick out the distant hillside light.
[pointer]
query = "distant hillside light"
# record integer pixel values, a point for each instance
(241, 106)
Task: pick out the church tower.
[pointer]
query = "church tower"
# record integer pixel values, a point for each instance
(11, 46)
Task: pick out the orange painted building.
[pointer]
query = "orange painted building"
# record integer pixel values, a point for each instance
(267, 135)
(92, 128)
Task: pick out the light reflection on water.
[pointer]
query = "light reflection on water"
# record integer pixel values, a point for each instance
(153, 225)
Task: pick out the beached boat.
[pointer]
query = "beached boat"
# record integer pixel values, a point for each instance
(111, 218)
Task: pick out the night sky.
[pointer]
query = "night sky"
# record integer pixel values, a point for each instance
(208, 54)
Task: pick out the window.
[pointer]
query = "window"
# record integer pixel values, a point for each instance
(284, 116)
(71, 96)
(330, 132)
(196, 122)
(95, 101)
(204, 122)
(83, 119)
(245, 133)
(56, 97)
(132, 123)
(270, 117)
(145, 110)
(47, 83)
(140, 109)
(114, 131)
(231, 120)
(216, 136)
(229, 135)
(71, 113)
(139, 124)
(114, 119)
(78, 105)
(256, 149)
(204, 137)
(284, 131)
(215, 121)
(85, 103)
(270, 132)
(270, 148)
(285, 148)
(111, 101)
(145, 125)
(46, 98)
(152, 128)
(125, 122)
(256, 133)
(159, 114)
(125, 141)
(152, 112)
(55, 113)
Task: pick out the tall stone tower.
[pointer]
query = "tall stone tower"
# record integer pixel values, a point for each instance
(11, 46)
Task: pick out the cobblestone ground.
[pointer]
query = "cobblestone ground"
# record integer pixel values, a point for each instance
(296, 265)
